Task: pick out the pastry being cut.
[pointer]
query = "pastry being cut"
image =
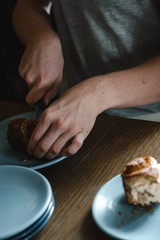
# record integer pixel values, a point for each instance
(19, 132)
(141, 181)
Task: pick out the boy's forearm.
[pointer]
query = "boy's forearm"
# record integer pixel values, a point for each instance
(128, 88)
(30, 18)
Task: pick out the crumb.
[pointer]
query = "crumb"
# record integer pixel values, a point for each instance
(120, 213)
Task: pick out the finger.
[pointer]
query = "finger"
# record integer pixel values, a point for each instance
(34, 95)
(36, 92)
(41, 128)
(27, 75)
(58, 145)
(47, 140)
(75, 145)
(21, 70)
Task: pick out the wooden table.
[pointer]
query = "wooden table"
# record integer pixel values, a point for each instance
(75, 181)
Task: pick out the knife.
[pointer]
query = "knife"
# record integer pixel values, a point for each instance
(39, 108)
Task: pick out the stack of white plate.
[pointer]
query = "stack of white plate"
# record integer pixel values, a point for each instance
(26, 202)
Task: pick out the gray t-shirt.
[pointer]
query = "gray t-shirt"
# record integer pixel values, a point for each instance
(103, 36)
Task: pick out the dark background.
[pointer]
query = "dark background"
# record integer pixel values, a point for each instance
(12, 87)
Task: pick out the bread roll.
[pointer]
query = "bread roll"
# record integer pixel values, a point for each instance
(19, 132)
(141, 181)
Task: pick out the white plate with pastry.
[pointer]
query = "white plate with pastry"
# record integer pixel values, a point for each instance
(117, 218)
(10, 156)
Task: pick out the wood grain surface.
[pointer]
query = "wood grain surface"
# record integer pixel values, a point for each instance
(75, 181)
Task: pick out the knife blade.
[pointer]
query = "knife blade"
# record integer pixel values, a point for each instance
(39, 108)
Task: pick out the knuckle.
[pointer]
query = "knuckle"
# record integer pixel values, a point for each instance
(70, 151)
(21, 72)
(46, 116)
(35, 138)
(42, 148)
(77, 143)
(43, 81)
(60, 124)
(28, 77)
(55, 149)
(72, 129)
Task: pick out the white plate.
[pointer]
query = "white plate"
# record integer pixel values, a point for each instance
(117, 218)
(24, 197)
(38, 225)
(38, 228)
(9, 156)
